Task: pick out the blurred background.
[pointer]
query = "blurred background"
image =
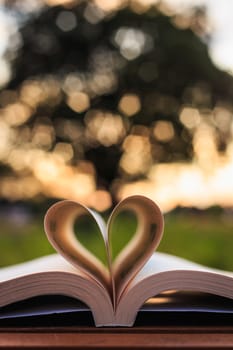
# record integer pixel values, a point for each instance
(104, 99)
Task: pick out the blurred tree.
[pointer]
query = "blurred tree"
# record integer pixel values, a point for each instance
(110, 88)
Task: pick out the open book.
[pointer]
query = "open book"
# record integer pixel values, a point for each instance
(114, 289)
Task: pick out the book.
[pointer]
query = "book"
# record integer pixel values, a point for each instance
(115, 288)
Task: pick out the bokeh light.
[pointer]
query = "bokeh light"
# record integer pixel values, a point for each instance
(100, 105)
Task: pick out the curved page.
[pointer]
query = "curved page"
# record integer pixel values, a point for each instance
(165, 272)
(59, 227)
(53, 275)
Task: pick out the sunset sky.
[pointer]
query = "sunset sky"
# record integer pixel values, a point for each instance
(221, 19)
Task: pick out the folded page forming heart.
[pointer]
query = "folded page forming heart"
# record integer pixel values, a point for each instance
(59, 227)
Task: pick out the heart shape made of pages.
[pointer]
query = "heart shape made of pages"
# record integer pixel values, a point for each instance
(59, 227)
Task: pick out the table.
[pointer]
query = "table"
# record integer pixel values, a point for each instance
(155, 337)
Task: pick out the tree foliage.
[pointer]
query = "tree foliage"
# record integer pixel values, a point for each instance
(113, 83)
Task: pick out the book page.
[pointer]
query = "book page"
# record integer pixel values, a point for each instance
(162, 262)
(54, 262)
(59, 227)
(164, 272)
(53, 275)
(141, 246)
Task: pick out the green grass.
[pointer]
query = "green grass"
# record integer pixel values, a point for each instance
(18, 244)
(202, 237)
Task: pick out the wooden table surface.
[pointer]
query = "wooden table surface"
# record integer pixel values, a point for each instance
(118, 338)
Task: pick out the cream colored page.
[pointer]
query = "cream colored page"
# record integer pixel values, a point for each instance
(59, 227)
(141, 246)
(53, 275)
(101, 223)
(49, 263)
(162, 262)
(165, 272)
